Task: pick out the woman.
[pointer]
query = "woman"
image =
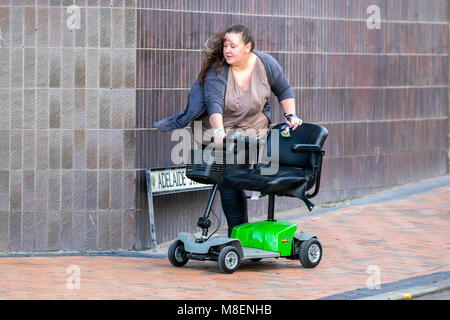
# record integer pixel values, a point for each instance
(237, 81)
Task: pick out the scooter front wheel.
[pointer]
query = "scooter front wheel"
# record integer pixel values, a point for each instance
(229, 259)
(176, 254)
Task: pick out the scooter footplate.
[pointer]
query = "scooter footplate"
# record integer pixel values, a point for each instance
(254, 253)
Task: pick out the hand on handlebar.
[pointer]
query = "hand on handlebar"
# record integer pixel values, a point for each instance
(293, 121)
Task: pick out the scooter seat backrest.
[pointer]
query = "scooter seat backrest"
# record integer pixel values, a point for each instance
(307, 133)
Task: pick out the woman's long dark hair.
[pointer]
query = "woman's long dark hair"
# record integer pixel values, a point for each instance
(213, 49)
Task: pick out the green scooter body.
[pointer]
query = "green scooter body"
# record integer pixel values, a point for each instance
(274, 236)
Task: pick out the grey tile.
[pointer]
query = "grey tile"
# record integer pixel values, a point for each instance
(117, 28)
(16, 149)
(67, 187)
(128, 230)
(91, 231)
(92, 34)
(54, 102)
(116, 149)
(4, 231)
(104, 230)
(66, 231)
(92, 70)
(79, 117)
(67, 108)
(28, 231)
(130, 69)
(15, 230)
(6, 112)
(40, 230)
(42, 26)
(80, 34)
(16, 108)
(4, 146)
(115, 234)
(69, 22)
(42, 105)
(67, 149)
(91, 190)
(116, 190)
(41, 193)
(79, 190)
(129, 109)
(104, 182)
(29, 108)
(104, 107)
(105, 27)
(28, 190)
(30, 27)
(54, 149)
(17, 67)
(80, 68)
(117, 106)
(67, 68)
(5, 75)
(130, 28)
(117, 68)
(5, 26)
(53, 230)
(91, 149)
(17, 22)
(55, 26)
(92, 109)
(54, 189)
(129, 142)
(80, 155)
(42, 68)
(4, 191)
(129, 190)
(42, 149)
(104, 69)
(78, 230)
(54, 61)
(29, 153)
(15, 185)
(104, 149)
(29, 65)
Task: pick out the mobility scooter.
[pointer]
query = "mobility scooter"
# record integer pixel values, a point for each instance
(299, 164)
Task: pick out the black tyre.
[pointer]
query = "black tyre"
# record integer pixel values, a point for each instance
(176, 254)
(229, 259)
(310, 253)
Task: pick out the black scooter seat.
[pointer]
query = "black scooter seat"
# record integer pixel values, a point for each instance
(283, 182)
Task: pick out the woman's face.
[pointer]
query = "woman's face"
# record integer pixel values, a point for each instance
(234, 49)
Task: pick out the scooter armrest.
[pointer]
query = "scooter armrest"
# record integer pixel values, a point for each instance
(313, 148)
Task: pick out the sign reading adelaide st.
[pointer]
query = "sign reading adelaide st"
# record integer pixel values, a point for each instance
(173, 180)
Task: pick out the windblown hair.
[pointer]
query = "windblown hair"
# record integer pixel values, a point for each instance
(213, 49)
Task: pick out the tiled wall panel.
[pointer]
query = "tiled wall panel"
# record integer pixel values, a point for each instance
(67, 129)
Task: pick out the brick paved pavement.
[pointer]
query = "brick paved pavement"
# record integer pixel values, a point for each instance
(404, 237)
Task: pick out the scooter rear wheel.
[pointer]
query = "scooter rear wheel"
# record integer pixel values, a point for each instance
(310, 253)
(176, 254)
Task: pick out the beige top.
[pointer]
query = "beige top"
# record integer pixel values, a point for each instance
(243, 108)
